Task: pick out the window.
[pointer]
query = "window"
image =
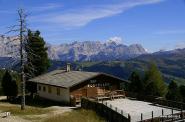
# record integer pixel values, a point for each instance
(44, 88)
(49, 89)
(58, 91)
(39, 88)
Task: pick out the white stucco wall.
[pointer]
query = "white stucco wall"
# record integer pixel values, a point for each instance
(63, 97)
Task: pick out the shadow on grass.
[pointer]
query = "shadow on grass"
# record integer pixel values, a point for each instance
(36, 102)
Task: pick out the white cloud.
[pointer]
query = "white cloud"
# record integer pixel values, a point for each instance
(116, 39)
(82, 16)
(46, 7)
(180, 45)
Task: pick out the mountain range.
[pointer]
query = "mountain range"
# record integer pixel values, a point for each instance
(94, 51)
(79, 51)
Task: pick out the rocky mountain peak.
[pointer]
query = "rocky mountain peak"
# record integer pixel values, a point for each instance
(94, 51)
(113, 49)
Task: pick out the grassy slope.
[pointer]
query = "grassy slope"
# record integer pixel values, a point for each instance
(76, 116)
(35, 113)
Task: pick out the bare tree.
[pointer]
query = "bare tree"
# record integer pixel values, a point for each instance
(22, 30)
(20, 54)
(21, 37)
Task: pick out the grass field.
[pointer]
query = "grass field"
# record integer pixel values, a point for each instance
(15, 110)
(76, 116)
(47, 114)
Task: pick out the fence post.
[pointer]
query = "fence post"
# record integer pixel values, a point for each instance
(121, 112)
(129, 118)
(152, 115)
(141, 116)
(172, 114)
(116, 109)
(182, 106)
(162, 114)
(181, 114)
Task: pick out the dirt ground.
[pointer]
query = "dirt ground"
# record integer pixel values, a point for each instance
(55, 110)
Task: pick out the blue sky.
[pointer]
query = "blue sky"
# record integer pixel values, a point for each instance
(155, 24)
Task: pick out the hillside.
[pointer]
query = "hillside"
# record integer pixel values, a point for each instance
(170, 63)
(124, 69)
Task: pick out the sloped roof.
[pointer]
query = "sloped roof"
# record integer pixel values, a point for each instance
(66, 79)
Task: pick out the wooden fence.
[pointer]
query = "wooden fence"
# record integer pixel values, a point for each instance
(157, 100)
(113, 114)
(108, 112)
(173, 105)
(164, 117)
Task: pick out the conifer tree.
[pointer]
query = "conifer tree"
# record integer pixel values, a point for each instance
(9, 86)
(37, 58)
(182, 92)
(136, 84)
(154, 83)
(173, 92)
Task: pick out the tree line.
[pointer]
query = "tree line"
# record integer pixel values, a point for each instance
(152, 83)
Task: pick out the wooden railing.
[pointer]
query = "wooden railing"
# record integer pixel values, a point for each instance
(111, 95)
(157, 100)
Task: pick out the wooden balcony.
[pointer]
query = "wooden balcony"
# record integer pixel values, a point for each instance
(111, 95)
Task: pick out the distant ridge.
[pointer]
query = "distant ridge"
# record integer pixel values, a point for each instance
(94, 51)
(79, 51)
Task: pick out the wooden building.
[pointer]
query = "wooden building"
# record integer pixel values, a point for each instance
(62, 85)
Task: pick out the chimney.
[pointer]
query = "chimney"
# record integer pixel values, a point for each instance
(68, 68)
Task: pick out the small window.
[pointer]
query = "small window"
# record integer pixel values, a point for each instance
(39, 88)
(49, 89)
(44, 88)
(58, 91)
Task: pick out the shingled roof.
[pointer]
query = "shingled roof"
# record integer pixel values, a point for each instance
(66, 79)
